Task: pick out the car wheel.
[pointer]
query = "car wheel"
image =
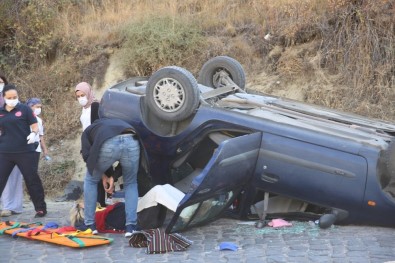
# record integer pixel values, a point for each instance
(209, 75)
(389, 161)
(172, 94)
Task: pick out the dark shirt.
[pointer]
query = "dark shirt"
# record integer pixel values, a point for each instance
(94, 111)
(96, 134)
(14, 128)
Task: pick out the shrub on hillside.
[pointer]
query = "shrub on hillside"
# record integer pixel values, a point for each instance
(154, 43)
(26, 32)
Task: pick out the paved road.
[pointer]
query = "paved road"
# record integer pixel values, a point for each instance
(303, 242)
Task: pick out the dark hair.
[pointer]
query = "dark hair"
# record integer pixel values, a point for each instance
(4, 79)
(8, 87)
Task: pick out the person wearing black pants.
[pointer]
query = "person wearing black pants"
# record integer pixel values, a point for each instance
(18, 129)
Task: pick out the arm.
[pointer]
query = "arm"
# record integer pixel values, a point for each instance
(115, 173)
(43, 146)
(32, 120)
(34, 128)
(41, 137)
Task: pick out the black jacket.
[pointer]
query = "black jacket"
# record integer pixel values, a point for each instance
(96, 134)
(94, 111)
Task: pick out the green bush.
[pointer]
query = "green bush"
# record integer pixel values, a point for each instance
(156, 42)
(26, 32)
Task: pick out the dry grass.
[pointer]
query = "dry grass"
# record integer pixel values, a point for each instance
(55, 176)
(353, 46)
(341, 53)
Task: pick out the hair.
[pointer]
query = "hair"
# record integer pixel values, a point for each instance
(8, 87)
(77, 214)
(33, 101)
(4, 79)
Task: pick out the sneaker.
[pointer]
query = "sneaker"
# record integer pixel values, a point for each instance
(15, 213)
(130, 229)
(40, 213)
(109, 201)
(92, 227)
(5, 213)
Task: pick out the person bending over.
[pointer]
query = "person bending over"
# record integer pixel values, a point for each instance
(104, 142)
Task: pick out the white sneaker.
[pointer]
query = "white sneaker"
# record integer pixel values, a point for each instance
(130, 229)
(109, 201)
(5, 213)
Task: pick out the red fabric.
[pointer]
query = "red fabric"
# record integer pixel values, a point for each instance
(100, 219)
(65, 229)
(37, 231)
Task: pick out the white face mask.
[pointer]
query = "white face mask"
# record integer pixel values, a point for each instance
(83, 101)
(1, 87)
(37, 111)
(11, 103)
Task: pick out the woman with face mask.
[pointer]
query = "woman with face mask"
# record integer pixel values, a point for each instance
(18, 130)
(90, 106)
(90, 113)
(12, 197)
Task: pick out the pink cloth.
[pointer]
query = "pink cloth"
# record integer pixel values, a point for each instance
(279, 223)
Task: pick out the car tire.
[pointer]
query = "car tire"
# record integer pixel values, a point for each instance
(208, 75)
(172, 94)
(389, 162)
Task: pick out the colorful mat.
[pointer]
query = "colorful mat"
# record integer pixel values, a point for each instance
(52, 233)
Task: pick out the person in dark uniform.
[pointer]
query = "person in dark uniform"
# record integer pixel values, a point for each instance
(104, 142)
(18, 129)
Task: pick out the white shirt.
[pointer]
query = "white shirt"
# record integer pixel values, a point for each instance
(40, 132)
(85, 118)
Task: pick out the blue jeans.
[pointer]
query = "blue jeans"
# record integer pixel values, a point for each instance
(126, 150)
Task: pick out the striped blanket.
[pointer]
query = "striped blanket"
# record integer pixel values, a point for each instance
(157, 241)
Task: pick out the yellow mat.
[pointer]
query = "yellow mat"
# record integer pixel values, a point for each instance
(52, 233)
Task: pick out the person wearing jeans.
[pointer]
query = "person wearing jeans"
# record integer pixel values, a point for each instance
(104, 142)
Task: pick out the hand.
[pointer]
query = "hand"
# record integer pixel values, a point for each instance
(31, 138)
(108, 184)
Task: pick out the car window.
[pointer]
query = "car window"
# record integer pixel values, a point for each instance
(200, 212)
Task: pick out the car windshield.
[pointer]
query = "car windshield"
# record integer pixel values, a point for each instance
(203, 211)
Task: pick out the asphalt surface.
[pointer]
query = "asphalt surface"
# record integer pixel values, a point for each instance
(301, 242)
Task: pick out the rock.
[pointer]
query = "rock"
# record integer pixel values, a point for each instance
(72, 192)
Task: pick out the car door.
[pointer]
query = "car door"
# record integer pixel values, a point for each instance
(298, 169)
(214, 189)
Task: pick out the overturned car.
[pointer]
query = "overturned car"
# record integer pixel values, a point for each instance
(254, 156)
